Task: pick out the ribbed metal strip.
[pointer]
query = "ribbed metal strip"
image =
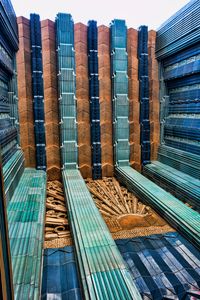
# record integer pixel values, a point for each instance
(12, 172)
(185, 219)
(38, 91)
(183, 161)
(9, 131)
(13, 100)
(180, 31)
(144, 94)
(26, 213)
(183, 55)
(120, 101)
(183, 186)
(67, 90)
(184, 68)
(92, 39)
(183, 144)
(5, 266)
(103, 272)
(8, 22)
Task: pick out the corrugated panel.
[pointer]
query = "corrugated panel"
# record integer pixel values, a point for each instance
(8, 118)
(103, 272)
(12, 172)
(13, 100)
(163, 266)
(38, 91)
(178, 50)
(183, 161)
(67, 89)
(60, 275)
(92, 37)
(183, 186)
(119, 73)
(185, 219)
(26, 213)
(8, 21)
(6, 286)
(143, 77)
(180, 31)
(7, 4)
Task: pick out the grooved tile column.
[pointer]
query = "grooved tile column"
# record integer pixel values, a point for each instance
(105, 100)
(38, 91)
(119, 59)
(67, 90)
(92, 38)
(154, 103)
(143, 76)
(50, 99)
(83, 104)
(25, 92)
(134, 104)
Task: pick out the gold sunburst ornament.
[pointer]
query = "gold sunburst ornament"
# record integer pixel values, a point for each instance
(123, 213)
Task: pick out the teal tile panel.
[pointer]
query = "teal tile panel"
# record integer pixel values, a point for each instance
(183, 218)
(104, 274)
(26, 213)
(183, 186)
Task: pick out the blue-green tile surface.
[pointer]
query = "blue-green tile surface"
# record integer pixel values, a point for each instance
(26, 213)
(163, 265)
(60, 275)
(103, 272)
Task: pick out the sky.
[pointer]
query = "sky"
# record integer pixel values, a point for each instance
(136, 12)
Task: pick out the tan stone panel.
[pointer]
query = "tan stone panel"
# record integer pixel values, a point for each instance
(83, 133)
(107, 170)
(49, 57)
(54, 173)
(84, 154)
(132, 38)
(29, 154)
(82, 60)
(86, 171)
(104, 61)
(52, 134)
(27, 135)
(103, 49)
(103, 35)
(82, 82)
(24, 43)
(53, 156)
(82, 93)
(81, 47)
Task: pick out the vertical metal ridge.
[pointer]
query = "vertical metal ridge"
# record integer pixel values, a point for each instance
(103, 272)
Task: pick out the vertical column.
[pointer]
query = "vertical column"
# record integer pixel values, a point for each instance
(83, 103)
(13, 99)
(94, 99)
(105, 100)
(6, 284)
(38, 91)
(26, 126)
(50, 99)
(67, 90)
(144, 94)
(154, 103)
(134, 103)
(119, 63)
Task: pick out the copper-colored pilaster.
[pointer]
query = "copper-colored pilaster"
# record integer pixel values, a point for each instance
(50, 99)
